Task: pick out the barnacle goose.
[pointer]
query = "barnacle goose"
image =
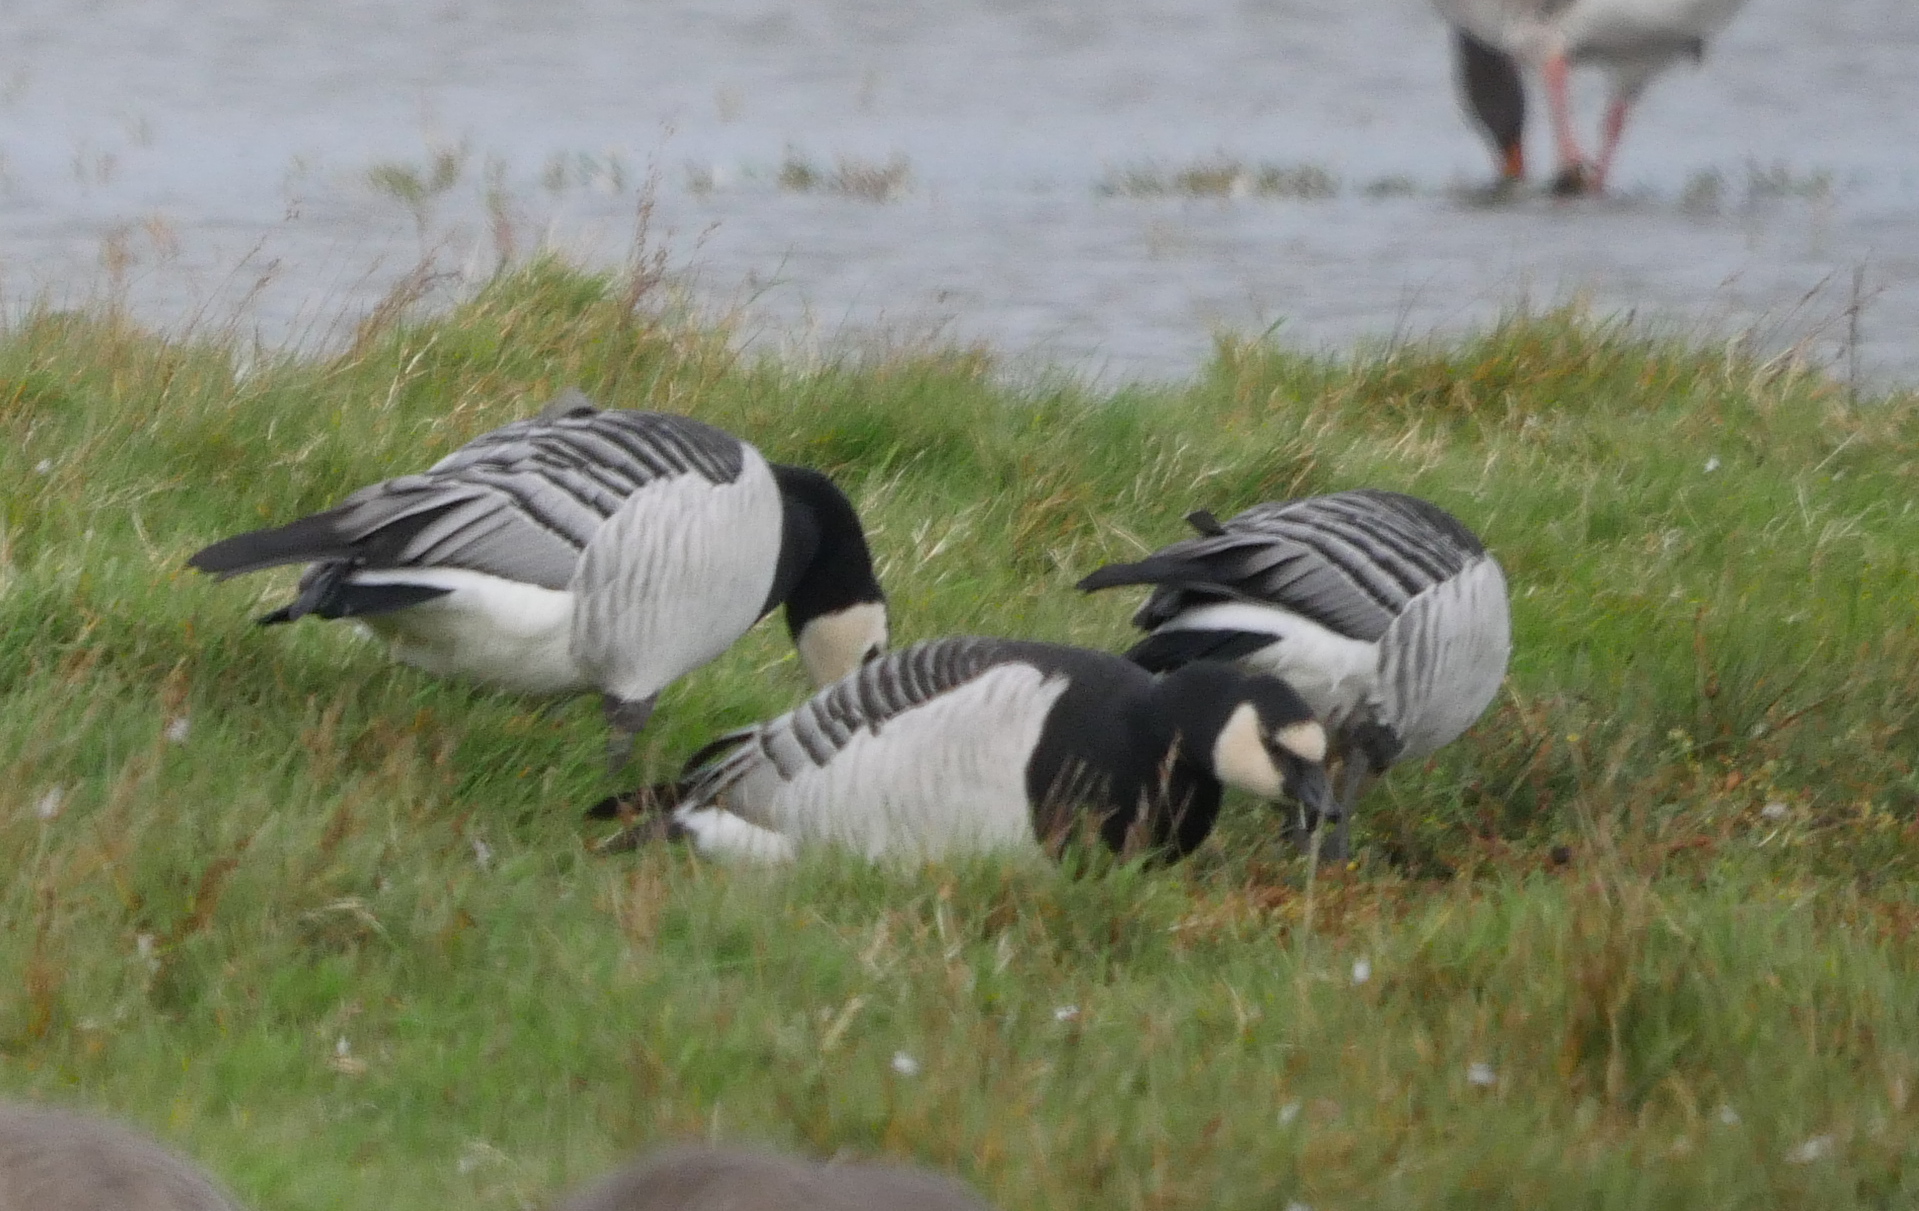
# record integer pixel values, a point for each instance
(55, 1160)
(700, 1178)
(972, 744)
(1632, 40)
(585, 550)
(1385, 613)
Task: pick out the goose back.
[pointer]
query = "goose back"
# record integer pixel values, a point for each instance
(55, 1160)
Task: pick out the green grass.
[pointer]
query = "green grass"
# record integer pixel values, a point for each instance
(342, 939)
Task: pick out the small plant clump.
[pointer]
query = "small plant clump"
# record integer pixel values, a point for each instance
(419, 187)
(850, 177)
(1710, 191)
(1223, 178)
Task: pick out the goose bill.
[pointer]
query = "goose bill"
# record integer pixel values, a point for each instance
(1308, 785)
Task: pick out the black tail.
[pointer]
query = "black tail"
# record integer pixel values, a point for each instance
(308, 540)
(1162, 568)
(325, 591)
(665, 796)
(1164, 651)
(324, 536)
(646, 801)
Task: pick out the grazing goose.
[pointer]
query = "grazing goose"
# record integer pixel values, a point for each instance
(585, 549)
(1385, 613)
(733, 1179)
(52, 1160)
(973, 744)
(1632, 40)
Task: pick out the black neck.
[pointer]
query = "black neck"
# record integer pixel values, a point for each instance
(1153, 793)
(824, 565)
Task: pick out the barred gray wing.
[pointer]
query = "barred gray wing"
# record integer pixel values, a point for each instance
(520, 502)
(1349, 561)
(811, 734)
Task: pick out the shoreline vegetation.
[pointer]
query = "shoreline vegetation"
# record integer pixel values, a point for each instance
(1643, 938)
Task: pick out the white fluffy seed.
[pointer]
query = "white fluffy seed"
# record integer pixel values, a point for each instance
(1818, 1148)
(49, 804)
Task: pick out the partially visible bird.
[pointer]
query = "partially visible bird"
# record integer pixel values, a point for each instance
(585, 550)
(56, 1160)
(1385, 613)
(1631, 40)
(964, 745)
(736, 1179)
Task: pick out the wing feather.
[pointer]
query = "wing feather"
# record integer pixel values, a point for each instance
(1349, 561)
(520, 502)
(861, 703)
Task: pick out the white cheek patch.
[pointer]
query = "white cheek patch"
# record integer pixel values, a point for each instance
(1240, 758)
(1307, 740)
(833, 645)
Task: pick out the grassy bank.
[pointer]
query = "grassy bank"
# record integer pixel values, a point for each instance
(1642, 939)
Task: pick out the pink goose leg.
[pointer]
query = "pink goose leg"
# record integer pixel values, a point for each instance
(1616, 113)
(1574, 176)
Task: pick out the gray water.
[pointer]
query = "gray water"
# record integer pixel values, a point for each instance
(209, 162)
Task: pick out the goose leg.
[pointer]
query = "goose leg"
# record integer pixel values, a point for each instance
(1355, 776)
(1574, 174)
(625, 718)
(1617, 111)
(1335, 842)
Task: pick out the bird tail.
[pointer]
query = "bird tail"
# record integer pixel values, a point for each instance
(1164, 651)
(710, 769)
(313, 539)
(364, 532)
(328, 591)
(1154, 569)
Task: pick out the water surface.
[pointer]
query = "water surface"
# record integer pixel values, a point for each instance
(210, 161)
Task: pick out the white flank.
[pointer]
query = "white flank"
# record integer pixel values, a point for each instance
(1443, 658)
(834, 645)
(1333, 673)
(723, 835)
(946, 777)
(487, 628)
(1240, 758)
(674, 577)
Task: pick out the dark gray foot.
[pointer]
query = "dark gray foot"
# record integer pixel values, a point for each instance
(1573, 181)
(1334, 839)
(624, 719)
(1336, 845)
